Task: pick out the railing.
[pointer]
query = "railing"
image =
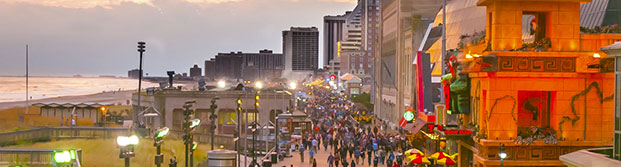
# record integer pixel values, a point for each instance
(30, 157)
(47, 134)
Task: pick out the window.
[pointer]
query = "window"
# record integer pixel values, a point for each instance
(226, 117)
(361, 65)
(533, 109)
(533, 26)
(361, 60)
(369, 65)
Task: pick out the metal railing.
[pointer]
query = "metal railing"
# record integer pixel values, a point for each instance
(31, 157)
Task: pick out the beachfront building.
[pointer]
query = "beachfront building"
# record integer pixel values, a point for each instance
(164, 107)
(83, 113)
(537, 85)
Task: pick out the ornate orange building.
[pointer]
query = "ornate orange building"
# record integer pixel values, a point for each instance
(538, 85)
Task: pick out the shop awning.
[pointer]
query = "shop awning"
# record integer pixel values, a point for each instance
(416, 126)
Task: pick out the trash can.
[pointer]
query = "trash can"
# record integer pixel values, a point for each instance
(274, 157)
(221, 157)
(267, 163)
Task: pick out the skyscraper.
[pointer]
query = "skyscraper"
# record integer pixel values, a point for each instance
(300, 48)
(196, 71)
(333, 32)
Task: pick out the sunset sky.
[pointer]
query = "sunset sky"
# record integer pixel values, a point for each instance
(98, 37)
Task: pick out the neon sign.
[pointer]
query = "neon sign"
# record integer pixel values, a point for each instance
(449, 132)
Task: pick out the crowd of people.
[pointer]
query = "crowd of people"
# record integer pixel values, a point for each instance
(349, 143)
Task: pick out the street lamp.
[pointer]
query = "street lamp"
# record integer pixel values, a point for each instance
(258, 85)
(157, 142)
(213, 117)
(127, 144)
(502, 154)
(221, 84)
(293, 85)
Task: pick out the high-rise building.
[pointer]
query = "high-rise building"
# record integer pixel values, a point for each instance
(402, 24)
(264, 65)
(195, 71)
(244, 66)
(135, 73)
(300, 49)
(333, 32)
(210, 69)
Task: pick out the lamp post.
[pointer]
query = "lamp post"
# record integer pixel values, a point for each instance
(212, 118)
(127, 143)
(141, 50)
(502, 154)
(189, 125)
(254, 126)
(157, 142)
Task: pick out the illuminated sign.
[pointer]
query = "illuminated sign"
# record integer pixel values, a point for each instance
(457, 132)
(333, 77)
(449, 132)
(408, 115)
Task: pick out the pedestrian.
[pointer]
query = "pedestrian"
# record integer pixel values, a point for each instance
(314, 162)
(337, 159)
(353, 164)
(362, 155)
(314, 142)
(357, 154)
(395, 164)
(375, 160)
(345, 164)
(301, 149)
(325, 145)
(330, 160)
(311, 153)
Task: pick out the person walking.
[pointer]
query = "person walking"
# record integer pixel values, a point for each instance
(353, 164)
(337, 159)
(314, 162)
(330, 160)
(345, 164)
(314, 142)
(301, 149)
(357, 154)
(311, 153)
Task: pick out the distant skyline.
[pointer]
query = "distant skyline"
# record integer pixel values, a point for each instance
(98, 37)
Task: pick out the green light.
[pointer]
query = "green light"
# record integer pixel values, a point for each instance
(194, 146)
(195, 122)
(449, 112)
(408, 115)
(72, 154)
(62, 157)
(162, 132)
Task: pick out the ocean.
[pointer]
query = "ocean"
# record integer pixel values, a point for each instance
(14, 88)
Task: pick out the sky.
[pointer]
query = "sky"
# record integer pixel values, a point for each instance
(98, 37)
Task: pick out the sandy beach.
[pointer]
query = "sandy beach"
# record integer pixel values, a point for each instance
(106, 97)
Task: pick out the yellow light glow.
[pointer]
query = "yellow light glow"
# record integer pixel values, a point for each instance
(221, 84)
(477, 55)
(469, 56)
(258, 85)
(596, 55)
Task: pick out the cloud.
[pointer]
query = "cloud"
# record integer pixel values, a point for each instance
(99, 37)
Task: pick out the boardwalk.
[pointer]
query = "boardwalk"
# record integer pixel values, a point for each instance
(321, 156)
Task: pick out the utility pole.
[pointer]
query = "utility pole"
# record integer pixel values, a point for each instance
(254, 128)
(141, 50)
(27, 96)
(443, 47)
(237, 134)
